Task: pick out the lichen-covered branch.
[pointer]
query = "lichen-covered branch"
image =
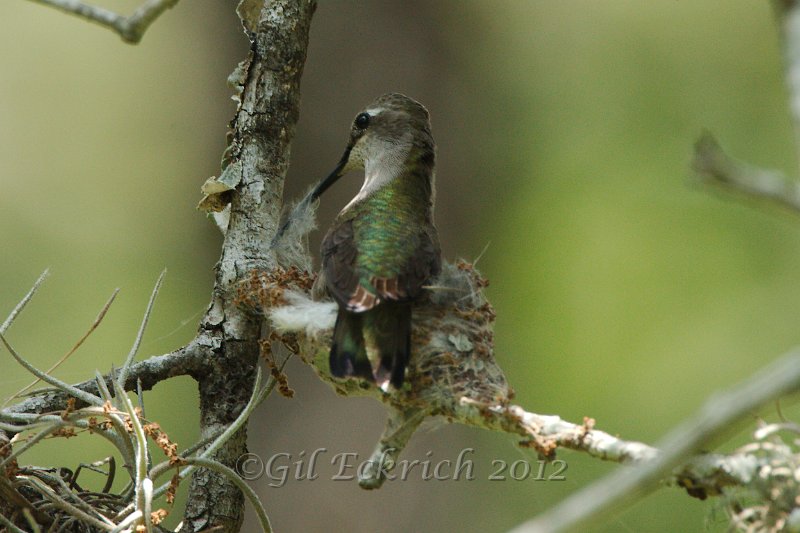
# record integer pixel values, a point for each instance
(130, 28)
(678, 448)
(453, 375)
(268, 84)
(190, 360)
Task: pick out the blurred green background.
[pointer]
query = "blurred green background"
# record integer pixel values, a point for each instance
(624, 291)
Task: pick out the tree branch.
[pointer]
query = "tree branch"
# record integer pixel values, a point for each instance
(192, 359)
(714, 166)
(223, 357)
(716, 416)
(787, 13)
(258, 154)
(131, 28)
(454, 374)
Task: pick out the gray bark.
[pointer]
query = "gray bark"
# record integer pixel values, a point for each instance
(262, 132)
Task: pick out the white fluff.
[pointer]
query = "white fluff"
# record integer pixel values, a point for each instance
(303, 314)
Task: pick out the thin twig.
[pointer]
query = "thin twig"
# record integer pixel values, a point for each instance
(778, 379)
(399, 429)
(190, 359)
(787, 13)
(131, 28)
(714, 166)
(553, 431)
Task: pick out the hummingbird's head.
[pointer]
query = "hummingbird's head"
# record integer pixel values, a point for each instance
(391, 128)
(387, 136)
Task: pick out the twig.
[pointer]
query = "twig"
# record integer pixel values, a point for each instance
(579, 437)
(399, 429)
(714, 166)
(190, 359)
(778, 379)
(787, 13)
(711, 162)
(131, 28)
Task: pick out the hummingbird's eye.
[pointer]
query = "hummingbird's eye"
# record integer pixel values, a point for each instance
(362, 121)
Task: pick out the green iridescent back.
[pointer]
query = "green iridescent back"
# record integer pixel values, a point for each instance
(389, 226)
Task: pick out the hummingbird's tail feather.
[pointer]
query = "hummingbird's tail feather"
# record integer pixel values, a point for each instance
(389, 325)
(348, 355)
(379, 338)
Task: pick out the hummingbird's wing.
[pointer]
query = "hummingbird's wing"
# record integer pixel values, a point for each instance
(359, 290)
(339, 253)
(423, 264)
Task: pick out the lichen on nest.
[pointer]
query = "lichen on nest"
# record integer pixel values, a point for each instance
(452, 337)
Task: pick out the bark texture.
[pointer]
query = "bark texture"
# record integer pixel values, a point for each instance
(262, 130)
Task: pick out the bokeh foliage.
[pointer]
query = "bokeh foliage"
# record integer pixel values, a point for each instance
(624, 291)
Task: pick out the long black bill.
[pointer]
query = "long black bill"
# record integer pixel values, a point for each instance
(332, 178)
(315, 193)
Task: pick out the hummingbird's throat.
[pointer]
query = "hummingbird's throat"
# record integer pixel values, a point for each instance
(383, 162)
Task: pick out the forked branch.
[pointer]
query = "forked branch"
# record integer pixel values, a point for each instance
(130, 28)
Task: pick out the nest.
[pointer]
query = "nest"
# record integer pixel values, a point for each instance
(452, 372)
(452, 362)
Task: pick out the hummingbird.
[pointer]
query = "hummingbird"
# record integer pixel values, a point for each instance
(383, 247)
